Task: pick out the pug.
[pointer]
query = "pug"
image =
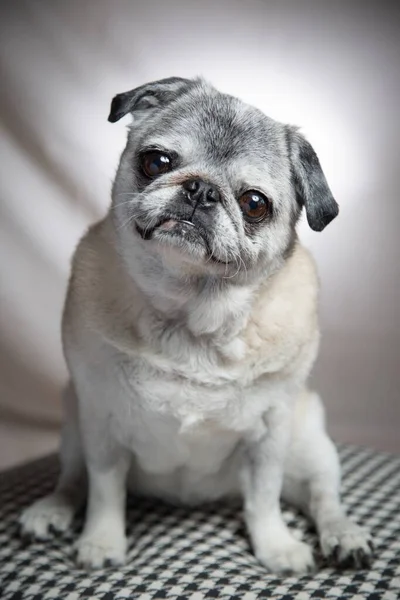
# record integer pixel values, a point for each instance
(190, 328)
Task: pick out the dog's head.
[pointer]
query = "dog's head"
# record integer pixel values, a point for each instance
(212, 182)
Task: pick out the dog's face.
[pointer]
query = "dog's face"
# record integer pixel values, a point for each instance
(212, 181)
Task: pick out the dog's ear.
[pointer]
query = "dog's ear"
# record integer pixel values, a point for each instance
(148, 96)
(311, 187)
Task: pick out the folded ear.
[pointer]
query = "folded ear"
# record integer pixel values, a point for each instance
(312, 189)
(148, 96)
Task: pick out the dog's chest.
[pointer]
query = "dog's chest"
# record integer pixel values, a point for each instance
(173, 422)
(194, 403)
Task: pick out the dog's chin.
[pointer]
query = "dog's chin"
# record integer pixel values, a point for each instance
(181, 236)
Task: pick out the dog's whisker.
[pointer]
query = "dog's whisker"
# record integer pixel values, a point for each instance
(244, 267)
(127, 194)
(150, 226)
(126, 222)
(237, 259)
(118, 204)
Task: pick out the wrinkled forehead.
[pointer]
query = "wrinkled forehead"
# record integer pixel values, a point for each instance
(218, 129)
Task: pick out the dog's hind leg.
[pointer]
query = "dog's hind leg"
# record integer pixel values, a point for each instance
(312, 483)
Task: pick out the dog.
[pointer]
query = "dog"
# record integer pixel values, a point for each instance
(190, 328)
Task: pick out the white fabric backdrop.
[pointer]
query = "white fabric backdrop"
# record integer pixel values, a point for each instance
(332, 68)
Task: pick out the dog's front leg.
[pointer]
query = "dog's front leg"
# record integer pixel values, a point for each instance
(101, 402)
(107, 461)
(103, 539)
(262, 477)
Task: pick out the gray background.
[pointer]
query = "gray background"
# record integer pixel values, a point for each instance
(331, 67)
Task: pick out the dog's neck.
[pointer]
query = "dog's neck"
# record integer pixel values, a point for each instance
(207, 305)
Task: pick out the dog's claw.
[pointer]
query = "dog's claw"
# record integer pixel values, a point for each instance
(357, 559)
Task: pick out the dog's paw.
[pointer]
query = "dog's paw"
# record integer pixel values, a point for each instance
(290, 557)
(100, 549)
(51, 512)
(346, 545)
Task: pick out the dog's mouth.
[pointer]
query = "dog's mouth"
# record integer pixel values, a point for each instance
(184, 233)
(172, 226)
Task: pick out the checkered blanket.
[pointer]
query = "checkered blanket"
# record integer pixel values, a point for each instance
(200, 553)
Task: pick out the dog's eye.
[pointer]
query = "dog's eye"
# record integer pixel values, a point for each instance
(155, 163)
(254, 205)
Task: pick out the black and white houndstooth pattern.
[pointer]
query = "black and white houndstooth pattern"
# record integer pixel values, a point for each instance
(202, 553)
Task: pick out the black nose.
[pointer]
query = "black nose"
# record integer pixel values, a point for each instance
(201, 192)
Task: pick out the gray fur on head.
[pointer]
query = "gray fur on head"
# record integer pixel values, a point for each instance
(229, 147)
